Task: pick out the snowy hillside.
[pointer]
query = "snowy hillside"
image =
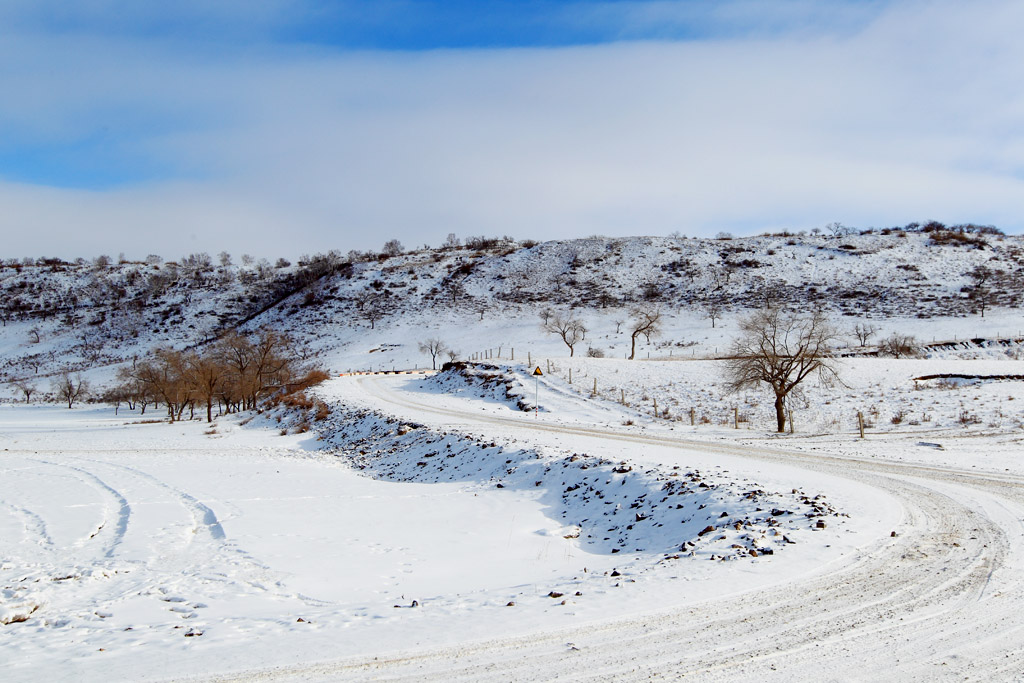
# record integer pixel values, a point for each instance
(368, 310)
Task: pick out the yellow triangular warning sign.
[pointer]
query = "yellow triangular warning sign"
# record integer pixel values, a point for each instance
(538, 372)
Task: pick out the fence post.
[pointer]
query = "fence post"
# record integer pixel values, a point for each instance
(735, 417)
(655, 407)
(595, 387)
(693, 417)
(791, 421)
(570, 375)
(622, 396)
(860, 423)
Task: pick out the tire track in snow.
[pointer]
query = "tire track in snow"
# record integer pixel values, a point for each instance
(939, 600)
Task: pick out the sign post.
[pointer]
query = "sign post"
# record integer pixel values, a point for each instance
(536, 396)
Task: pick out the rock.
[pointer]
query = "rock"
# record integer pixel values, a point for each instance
(706, 530)
(820, 524)
(510, 603)
(555, 594)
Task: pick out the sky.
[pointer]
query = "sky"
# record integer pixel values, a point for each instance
(290, 127)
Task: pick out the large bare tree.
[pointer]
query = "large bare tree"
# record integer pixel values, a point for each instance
(645, 320)
(781, 349)
(568, 327)
(435, 347)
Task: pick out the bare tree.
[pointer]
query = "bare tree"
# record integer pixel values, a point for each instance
(372, 311)
(645, 320)
(899, 346)
(392, 248)
(25, 387)
(569, 328)
(980, 290)
(35, 335)
(864, 332)
(452, 242)
(713, 311)
(435, 347)
(70, 388)
(781, 349)
(225, 258)
(453, 355)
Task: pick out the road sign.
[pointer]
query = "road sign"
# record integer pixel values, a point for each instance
(538, 372)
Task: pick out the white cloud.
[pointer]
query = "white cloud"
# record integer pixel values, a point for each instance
(916, 116)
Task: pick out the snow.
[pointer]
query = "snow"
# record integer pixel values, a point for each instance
(437, 527)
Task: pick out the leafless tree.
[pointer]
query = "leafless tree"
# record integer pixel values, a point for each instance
(980, 290)
(568, 327)
(713, 311)
(864, 332)
(453, 355)
(225, 258)
(452, 242)
(781, 349)
(435, 347)
(70, 388)
(646, 321)
(899, 346)
(372, 310)
(34, 332)
(25, 387)
(392, 248)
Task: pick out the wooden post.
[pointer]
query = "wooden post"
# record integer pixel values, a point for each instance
(622, 396)
(513, 353)
(735, 417)
(693, 417)
(860, 423)
(570, 375)
(529, 359)
(595, 387)
(549, 365)
(655, 407)
(791, 421)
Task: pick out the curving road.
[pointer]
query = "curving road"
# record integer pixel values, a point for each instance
(939, 601)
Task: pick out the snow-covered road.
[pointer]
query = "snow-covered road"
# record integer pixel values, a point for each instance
(137, 551)
(940, 599)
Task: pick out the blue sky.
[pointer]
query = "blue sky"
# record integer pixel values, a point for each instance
(281, 127)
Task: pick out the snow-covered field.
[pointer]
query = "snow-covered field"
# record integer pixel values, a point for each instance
(425, 535)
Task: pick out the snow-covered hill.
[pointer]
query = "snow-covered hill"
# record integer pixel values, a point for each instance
(369, 311)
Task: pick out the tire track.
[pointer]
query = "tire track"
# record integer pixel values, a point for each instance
(938, 601)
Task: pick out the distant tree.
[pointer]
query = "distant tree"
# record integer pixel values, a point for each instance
(247, 259)
(205, 375)
(568, 327)
(101, 262)
(643, 320)
(282, 263)
(225, 258)
(372, 310)
(154, 260)
(451, 242)
(392, 248)
(713, 311)
(70, 388)
(781, 349)
(899, 346)
(453, 355)
(434, 347)
(980, 290)
(25, 387)
(864, 332)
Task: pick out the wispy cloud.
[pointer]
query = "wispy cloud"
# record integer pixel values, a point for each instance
(904, 113)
